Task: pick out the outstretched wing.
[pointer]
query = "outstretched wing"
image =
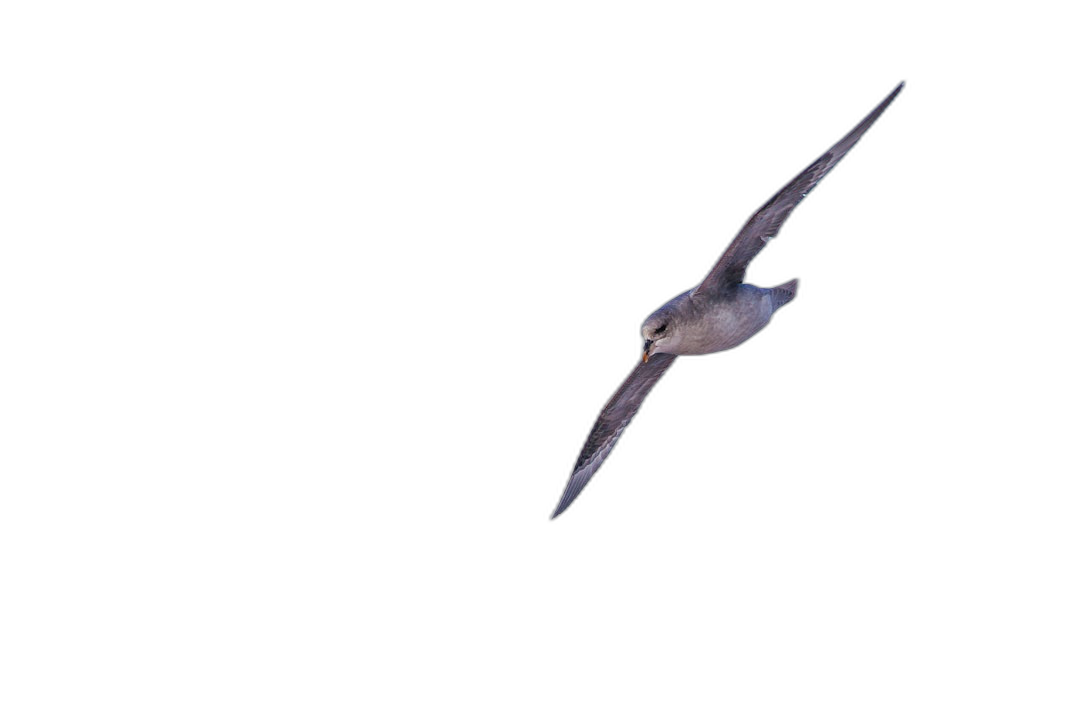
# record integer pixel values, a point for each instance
(765, 224)
(614, 418)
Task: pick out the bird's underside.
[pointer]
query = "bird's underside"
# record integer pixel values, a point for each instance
(711, 305)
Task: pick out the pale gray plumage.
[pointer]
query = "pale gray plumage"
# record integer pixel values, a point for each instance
(718, 314)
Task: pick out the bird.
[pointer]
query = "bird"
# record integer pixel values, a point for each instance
(719, 314)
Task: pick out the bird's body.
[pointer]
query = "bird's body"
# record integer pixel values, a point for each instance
(708, 325)
(719, 314)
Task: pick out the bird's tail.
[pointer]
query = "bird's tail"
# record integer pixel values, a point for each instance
(783, 294)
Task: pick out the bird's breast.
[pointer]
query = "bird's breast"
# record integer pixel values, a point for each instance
(721, 325)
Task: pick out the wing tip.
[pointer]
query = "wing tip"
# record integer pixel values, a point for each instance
(567, 499)
(563, 505)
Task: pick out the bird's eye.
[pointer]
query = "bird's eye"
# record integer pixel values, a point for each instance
(662, 328)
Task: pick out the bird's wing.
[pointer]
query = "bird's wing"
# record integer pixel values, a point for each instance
(765, 224)
(614, 418)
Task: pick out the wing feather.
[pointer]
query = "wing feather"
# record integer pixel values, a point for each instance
(765, 224)
(613, 419)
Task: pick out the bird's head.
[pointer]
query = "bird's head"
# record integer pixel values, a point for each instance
(658, 331)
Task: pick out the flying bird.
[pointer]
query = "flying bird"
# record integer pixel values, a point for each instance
(718, 314)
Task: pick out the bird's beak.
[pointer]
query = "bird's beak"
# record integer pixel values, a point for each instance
(645, 351)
